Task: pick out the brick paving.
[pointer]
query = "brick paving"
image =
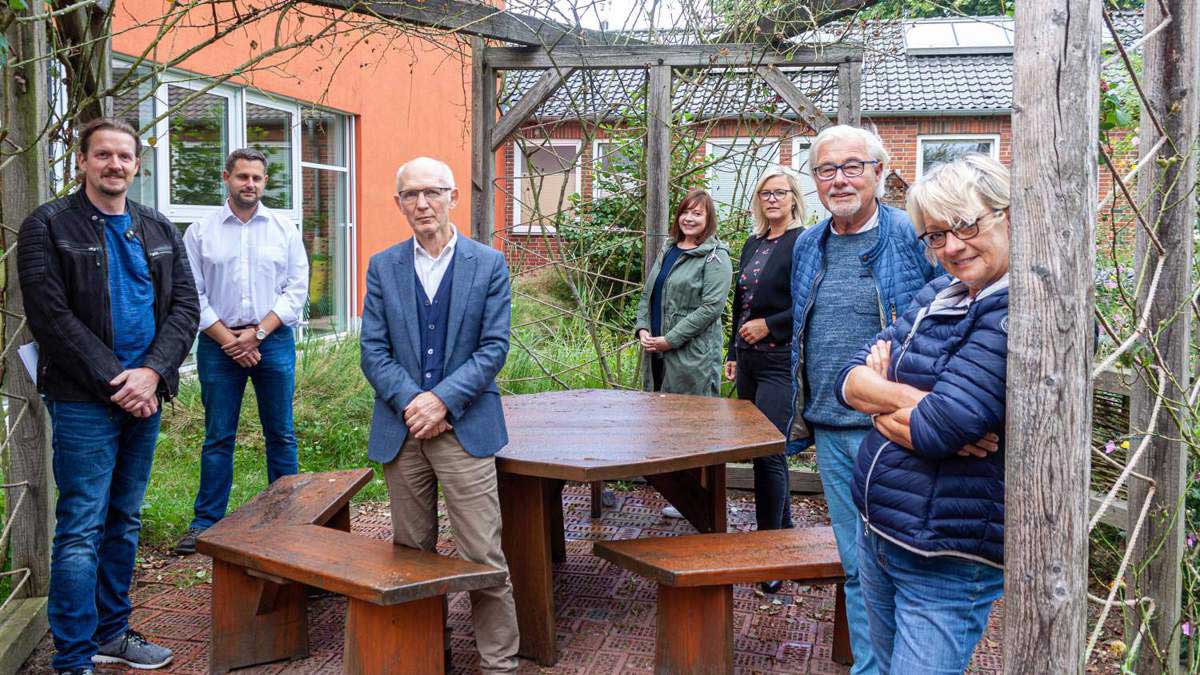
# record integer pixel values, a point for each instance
(605, 615)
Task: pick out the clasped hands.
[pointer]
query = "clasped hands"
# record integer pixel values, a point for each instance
(138, 393)
(425, 416)
(895, 425)
(243, 348)
(653, 344)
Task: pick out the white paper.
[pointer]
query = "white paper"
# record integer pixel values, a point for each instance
(29, 356)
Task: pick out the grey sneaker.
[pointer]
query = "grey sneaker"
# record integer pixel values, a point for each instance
(187, 543)
(77, 671)
(671, 512)
(134, 651)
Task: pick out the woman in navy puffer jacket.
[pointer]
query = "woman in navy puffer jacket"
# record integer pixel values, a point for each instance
(929, 479)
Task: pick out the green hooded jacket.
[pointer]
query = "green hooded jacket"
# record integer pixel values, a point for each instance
(693, 300)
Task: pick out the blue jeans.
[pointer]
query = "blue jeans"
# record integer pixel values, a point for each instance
(102, 459)
(926, 613)
(836, 450)
(222, 385)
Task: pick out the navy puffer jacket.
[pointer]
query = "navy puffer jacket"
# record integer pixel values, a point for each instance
(929, 499)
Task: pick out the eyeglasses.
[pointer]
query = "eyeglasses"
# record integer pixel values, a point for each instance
(851, 169)
(410, 196)
(773, 195)
(961, 231)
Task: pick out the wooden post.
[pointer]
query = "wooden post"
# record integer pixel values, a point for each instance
(850, 93)
(483, 159)
(25, 186)
(1171, 67)
(658, 163)
(1054, 197)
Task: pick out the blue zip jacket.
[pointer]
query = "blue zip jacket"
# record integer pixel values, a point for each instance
(929, 499)
(896, 263)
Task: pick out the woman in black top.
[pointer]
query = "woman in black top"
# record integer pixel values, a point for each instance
(759, 352)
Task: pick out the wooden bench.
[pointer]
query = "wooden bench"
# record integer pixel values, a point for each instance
(296, 534)
(695, 576)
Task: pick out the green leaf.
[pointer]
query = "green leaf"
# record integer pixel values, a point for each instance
(17, 5)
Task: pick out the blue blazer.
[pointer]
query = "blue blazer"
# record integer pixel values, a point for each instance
(476, 347)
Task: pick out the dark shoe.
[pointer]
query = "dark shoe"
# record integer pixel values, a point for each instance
(77, 671)
(134, 651)
(187, 544)
(771, 586)
(447, 661)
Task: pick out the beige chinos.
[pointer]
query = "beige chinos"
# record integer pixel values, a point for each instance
(469, 485)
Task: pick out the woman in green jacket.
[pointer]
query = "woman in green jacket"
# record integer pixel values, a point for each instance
(679, 316)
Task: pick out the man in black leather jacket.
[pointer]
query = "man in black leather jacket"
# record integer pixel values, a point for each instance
(111, 301)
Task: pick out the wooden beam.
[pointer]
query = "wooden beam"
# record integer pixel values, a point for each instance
(676, 56)
(850, 93)
(25, 186)
(483, 157)
(791, 94)
(658, 163)
(478, 20)
(1166, 193)
(1049, 403)
(520, 111)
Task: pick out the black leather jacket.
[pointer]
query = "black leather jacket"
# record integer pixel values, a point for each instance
(62, 260)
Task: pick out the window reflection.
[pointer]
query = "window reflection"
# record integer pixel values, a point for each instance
(269, 130)
(199, 145)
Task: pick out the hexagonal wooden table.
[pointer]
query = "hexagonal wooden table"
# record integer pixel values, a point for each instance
(679, 443)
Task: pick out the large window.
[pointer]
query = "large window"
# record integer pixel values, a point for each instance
(547, 173)
(934, 150)
(327, 219)
(737, 165)
(198, 141)
(613, 170)
(309, 159)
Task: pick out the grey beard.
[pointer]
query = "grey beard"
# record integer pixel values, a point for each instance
(844, 210)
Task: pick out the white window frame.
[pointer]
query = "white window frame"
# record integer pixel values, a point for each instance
(293, 109)
(710, 143)
(352, 319)
(189, 213)
(518, 165)
(597, 193)
(994, 138)
(797, 143)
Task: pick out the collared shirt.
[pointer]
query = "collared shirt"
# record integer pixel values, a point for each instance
(430, 270)
(245, 271)
(872, 223)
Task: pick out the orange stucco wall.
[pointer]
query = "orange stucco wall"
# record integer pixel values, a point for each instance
(408, 96)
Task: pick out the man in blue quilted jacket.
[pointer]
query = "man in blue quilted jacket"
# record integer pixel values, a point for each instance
(851, 275)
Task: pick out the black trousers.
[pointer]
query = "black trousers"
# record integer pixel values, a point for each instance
(766, 379)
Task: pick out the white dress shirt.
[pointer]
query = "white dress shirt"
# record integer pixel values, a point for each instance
(430, 270)
(245, 271)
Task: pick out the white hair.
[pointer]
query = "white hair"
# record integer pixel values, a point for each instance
(956, 190)
(845, 132)
(761, 226)
(436, 164)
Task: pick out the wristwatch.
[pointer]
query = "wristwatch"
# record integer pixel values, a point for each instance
(260, 334)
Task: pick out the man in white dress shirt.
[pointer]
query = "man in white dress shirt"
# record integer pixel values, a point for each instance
(252, 278)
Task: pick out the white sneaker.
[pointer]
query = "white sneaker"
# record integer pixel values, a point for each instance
(671, 512)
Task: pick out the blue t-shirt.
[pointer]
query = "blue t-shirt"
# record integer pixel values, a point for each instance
(130, 291)
(845, 316)
(668, 262)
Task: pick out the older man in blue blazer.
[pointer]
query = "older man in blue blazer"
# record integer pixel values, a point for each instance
(434, 336)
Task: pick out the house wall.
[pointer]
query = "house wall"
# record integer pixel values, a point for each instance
(407, 96)
(901, 137)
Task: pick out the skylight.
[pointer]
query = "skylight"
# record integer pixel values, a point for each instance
(957, 36)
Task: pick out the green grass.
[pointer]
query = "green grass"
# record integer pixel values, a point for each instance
(333, 413)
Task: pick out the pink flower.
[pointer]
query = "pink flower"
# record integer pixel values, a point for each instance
(1110, 284)
(1187, 628)
(1109, 447)
(1191, 541)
